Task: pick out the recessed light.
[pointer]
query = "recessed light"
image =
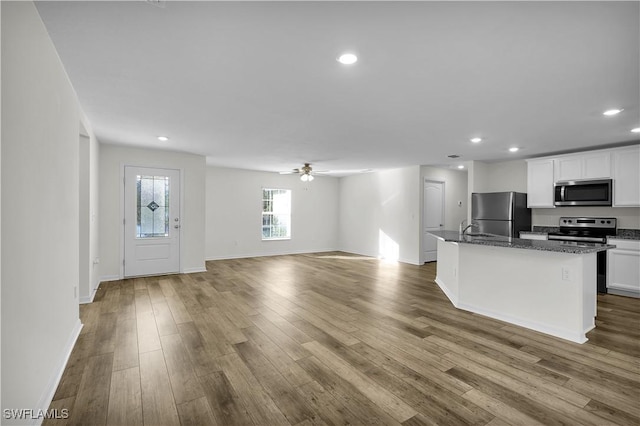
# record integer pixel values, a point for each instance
(514, 149)
(461, 166)
(612, 111)
(347, 58)
(163, 138)
(636, 130)
(476, 140)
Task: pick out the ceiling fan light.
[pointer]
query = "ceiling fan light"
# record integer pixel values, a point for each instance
(304, 177)
(310, 178)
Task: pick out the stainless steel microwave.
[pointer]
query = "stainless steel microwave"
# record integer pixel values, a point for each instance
(596, 192)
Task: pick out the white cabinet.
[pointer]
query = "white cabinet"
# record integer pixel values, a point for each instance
(623, 267)
(626, 177)
(540, 183)
(590, 165)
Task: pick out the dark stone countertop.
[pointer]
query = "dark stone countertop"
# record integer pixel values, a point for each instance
(501, 241)
(627, 234)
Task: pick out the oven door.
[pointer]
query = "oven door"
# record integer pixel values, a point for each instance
(583, 193)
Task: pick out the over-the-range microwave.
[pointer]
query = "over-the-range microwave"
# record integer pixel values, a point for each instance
(592, 192)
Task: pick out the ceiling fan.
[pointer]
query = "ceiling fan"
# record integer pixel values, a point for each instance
(306, 172)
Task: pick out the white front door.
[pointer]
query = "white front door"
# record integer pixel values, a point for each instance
(151, 221)
(433, 217)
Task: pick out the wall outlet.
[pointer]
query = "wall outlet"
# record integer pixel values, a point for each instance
(566, 274)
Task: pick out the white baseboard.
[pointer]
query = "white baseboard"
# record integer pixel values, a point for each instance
(194, 270)
(89, 299)
(248, 255)
(452, 298)
(49, 392)
(110, 278)
(542, 328)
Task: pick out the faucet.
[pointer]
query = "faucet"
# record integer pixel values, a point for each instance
(471, 225)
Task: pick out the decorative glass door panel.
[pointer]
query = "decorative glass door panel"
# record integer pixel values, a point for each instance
(152, 205)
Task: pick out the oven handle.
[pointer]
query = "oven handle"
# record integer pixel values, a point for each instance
(584, 239)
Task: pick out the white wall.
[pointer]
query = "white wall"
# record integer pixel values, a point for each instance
(497, 177)
(506, 176)
(94, 216)
(112, 159)
(0, 205)
(380, 214)
(40, 120)
(234, 214)
(89, 232)
(455, 188)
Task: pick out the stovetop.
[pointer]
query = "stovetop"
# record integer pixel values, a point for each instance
(588, 227)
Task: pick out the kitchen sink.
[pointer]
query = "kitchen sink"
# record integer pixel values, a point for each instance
(477, 234)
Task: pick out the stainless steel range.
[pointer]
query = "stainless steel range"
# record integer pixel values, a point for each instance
(577, 230)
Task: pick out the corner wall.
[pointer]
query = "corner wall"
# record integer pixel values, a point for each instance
(234, 214)
(192, 240)
(40, 211)
(380, 214)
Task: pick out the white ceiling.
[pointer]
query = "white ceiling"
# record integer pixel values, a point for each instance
(256, 85)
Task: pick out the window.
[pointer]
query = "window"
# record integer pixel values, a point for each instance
(276, 214)
(152, 206)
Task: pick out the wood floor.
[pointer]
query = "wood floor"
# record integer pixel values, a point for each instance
(335, 339)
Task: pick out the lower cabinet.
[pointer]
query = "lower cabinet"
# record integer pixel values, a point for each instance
(623, 268)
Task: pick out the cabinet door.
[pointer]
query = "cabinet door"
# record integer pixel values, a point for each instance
(597, 165)
(568, 168)
(623, 266)
(540, 183)
(626, 177)
(583, 166)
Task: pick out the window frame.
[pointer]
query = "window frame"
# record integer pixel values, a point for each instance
(272, 214)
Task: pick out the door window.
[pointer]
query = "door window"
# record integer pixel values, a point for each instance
(152, 206)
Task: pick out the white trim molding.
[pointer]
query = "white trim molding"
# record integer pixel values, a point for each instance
(47, 396)
(194, 270)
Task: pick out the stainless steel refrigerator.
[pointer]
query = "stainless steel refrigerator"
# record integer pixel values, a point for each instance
(500, 213)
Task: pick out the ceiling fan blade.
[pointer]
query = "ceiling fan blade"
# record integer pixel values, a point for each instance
(290, 172)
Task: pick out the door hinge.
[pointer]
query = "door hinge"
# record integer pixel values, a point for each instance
(124, 221)
(122, 262)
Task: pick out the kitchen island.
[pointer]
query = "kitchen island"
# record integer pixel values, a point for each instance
(547, 286)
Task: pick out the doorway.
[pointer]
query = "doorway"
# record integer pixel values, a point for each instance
(433, 217)
(151, 221)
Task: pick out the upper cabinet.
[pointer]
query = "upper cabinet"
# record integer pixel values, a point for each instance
(540, 183)
(591, 165)
(620, 164)
(626, 177)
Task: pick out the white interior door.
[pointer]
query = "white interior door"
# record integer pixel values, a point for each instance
(433, 220)
(151, 221)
